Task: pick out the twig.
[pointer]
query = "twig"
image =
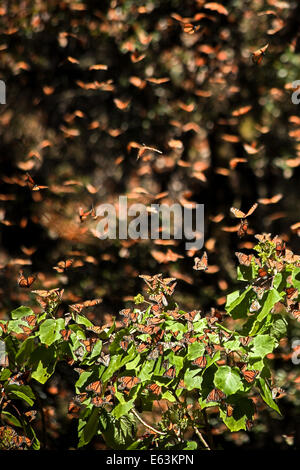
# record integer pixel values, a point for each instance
(201, 438)
(133, 410)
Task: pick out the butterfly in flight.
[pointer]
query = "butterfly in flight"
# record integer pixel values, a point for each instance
(201, 264)
(25, 281)
(257, 56)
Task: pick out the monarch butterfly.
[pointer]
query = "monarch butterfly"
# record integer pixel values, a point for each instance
(154, 388)
(99, 401)
(129, 316)
(240, 214)
(141, 347)
(4, 326)
(63, 265)
(32, 184)
(244, 259)
(262, 272)
(96, 387)
(250, 375)
(125, 341)
(243, 228)
(215, 395)
(148, 329)
(190, 28)
(280, 248)
(25, 281)
(151, 321)
(291, 292)
(201, 264)
(30, 319)
(84, 214)
(229, 410)
(245, 340)
(128, 382)
(174, 314)
(65, 334)
(190, 316)
(104, 359)
(87, 303)
(31, 415)
(89, 343)
(257, 56)
(296, 315)
(277, 393)
(255, 306)
(200, 362)
(170, 373)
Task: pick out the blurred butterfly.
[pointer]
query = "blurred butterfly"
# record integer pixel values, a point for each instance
(201, 264)
(87, 303)
(25, 281)
(215, 395)
(278, 393)
(257, 56)
(32, 185)
(170, 372)
(63, 265)
(240, 214)
(190, 28)
(296, 315)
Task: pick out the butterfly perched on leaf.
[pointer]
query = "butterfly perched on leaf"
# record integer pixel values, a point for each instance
(244, 259)
(96, 387)
(215, 395)
(128, 382)
(249, 375)
(257, 56)
(200, 362)
(201, 264)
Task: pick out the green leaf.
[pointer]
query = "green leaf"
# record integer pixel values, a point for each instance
(122, 408)
(266, 395)
(88, 431)
(268, 303)
(195, 350)
(120, 433)
(11, 418)
(296, 278)
(23, 392)
(243, 409)
(279, 327)
(238, 303)
(191, 445)
(50, 330)
(43, 362)
(261, 346)
(228, 380)
(192, 379)
(21, 312)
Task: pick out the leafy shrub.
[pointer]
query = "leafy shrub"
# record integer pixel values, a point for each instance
(189, 360)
